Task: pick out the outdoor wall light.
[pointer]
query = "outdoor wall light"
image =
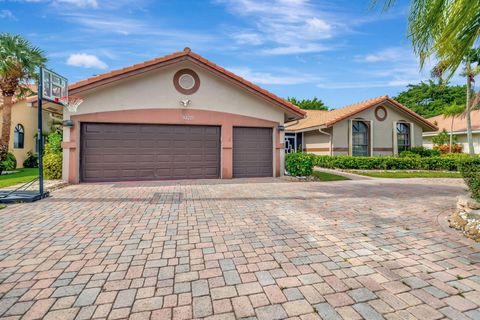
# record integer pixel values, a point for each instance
(185, 102)
(281, 127)
(68, 123)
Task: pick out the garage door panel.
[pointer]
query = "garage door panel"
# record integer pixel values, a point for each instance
(252, 152)
(116, 152)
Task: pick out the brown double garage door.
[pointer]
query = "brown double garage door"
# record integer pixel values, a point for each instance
(129, 152)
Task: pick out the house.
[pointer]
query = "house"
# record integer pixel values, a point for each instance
(379, 126)
(24, 127)
(459, 130)
(175, 117)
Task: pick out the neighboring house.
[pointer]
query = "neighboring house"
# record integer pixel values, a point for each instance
(24, 128)
(379, 126)
(175, 117)
(459, 130)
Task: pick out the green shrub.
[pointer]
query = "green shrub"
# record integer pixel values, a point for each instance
(31, 161)
(391, 163)
(420, 152)
(54, 143)
(470, 170)
(52, 166)
(409, 154)
(9, 163)
(52, 159)
(299, 164)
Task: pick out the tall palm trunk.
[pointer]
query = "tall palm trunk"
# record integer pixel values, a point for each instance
(6, 120)
(467, 116)
(451, 135)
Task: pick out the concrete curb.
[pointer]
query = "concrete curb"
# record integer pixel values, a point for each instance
(351, 176)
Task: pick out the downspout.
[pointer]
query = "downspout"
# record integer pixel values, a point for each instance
(330, 135)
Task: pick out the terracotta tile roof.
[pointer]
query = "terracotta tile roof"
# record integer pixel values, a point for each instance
(316, 118)
(186, 54)
(32, 87)
(459, 123)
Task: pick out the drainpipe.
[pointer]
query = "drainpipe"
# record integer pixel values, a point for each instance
(330, 135)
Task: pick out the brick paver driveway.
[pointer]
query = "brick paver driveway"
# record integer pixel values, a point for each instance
(264, 248)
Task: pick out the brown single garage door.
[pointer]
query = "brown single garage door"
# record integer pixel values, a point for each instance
(252, 152)
(122, 152)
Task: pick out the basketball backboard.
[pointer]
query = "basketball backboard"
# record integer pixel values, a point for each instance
(55, 87)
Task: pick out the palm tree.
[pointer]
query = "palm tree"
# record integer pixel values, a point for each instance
(449, 31)
(445, 29)
(18, 63)
(452, 111)
(472, 69)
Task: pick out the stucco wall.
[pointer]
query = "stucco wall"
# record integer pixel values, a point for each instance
(25, 115)
(316, 142)
(382, 137)
(461, 139)
(155, 90)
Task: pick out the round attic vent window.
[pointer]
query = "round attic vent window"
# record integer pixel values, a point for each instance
(186, 81)
(380, 113)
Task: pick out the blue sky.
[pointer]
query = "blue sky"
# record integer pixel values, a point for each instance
(339, 51)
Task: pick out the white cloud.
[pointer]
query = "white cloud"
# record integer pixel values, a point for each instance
(249, 38)
(80, 3)
(282, 26)
(366, 84)
(308, 48)
(385, 55)
(281, 77)
(86, 60)
(7, 14)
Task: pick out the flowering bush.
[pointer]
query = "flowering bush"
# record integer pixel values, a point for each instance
(445, 148)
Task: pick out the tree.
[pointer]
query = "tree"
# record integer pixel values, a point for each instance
(452, 111)
(429, 99)
(444, 29)
(472, 69)
(18, 63)
(309, 104)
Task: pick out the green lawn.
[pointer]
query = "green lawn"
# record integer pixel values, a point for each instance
(409, 174)
(324, 176)
(22, 176)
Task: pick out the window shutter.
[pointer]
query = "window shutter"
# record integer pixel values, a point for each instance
(395, 141)
(412, 135)
(350, 138)
(371, 138)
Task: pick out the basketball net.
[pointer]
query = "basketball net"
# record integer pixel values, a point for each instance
(71, 103)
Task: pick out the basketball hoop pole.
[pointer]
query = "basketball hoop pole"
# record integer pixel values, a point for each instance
(39, 133)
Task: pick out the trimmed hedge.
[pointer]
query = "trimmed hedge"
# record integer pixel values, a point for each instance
(471, 174)
(299, 164)
(445, 163)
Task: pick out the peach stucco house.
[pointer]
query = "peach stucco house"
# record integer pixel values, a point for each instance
(175, 117)
(379, 126)
(24, 127)
(459, 130)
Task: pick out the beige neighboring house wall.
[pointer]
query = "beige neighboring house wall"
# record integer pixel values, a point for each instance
(382, 132)
(316, 142)
(461, 139)
(459, 130)
(24, 114)
(329, 132)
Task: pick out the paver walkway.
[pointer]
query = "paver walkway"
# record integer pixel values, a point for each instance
(264, 249)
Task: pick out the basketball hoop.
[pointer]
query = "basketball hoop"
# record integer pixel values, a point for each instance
(71, 103)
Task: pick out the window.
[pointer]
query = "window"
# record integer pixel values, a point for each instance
(360, 138)
(403, 136)
(18, 137)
